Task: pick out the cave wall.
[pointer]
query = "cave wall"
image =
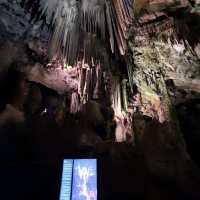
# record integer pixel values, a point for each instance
(122, 107)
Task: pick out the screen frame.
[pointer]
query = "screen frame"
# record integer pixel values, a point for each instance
(97, 175)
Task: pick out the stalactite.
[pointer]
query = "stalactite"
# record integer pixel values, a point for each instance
(75, 103)
(116, 97)
(121, 19)
(110, 28)
(86, 90)
(93, 16)
(76, 26)
(120, 134)
(88, 86)
(124, 94)
(98, 82)
(82, 78)
(123, 116)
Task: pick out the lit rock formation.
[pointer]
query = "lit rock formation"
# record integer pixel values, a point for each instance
(115, 76)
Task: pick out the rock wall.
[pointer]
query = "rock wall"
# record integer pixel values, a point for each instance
(122, 105)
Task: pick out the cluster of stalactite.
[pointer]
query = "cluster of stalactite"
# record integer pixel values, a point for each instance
(119, 96)
(89, 81)
(123, 114)
(77, 28)
(76, 25)
(85, 83)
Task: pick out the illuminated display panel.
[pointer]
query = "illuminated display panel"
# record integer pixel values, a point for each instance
(79, 179)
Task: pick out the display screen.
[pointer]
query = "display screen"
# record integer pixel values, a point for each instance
(79, 179)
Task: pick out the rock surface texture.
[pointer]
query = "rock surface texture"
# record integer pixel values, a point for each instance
(114, 79)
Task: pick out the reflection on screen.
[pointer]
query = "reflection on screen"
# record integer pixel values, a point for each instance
(79, 179)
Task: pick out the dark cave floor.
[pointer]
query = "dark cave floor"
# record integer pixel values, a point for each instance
(31, 165)
(33, 147)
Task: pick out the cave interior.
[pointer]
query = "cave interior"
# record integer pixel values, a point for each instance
(115, 80)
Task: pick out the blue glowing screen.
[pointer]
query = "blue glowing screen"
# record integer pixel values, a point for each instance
(79, 179)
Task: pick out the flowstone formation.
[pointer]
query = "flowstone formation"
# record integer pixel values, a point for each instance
(108, 78)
